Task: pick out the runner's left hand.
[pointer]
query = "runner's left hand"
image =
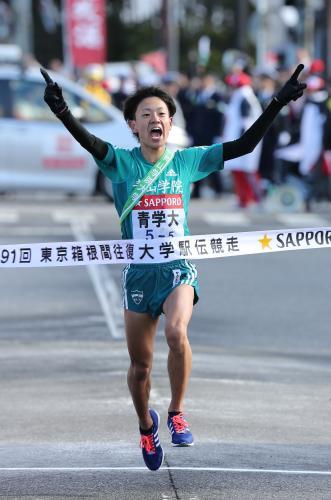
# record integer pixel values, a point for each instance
(292, 89)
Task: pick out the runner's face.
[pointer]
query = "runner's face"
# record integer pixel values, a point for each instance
(152, 122)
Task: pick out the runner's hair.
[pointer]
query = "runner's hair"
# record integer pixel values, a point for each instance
(133, 101)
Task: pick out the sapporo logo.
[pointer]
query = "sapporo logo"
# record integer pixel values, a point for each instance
(137, 296)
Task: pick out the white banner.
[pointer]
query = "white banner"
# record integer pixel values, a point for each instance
(153, 251)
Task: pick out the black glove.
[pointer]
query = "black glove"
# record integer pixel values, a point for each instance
(53, 95)
(292, 89)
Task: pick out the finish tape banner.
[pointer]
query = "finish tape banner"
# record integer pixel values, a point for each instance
(154, 251)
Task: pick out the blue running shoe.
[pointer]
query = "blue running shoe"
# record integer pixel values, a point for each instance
(150, 444)
(179, 430)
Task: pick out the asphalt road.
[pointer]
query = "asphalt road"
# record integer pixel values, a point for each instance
(259, 400)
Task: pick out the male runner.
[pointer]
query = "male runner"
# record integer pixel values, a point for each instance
(169, 288)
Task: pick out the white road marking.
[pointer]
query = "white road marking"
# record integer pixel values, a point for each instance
(165, 468)
(302, 220)
(34, 231)
(9, 217)
(104, 286)
(67, 216)
(226, 219)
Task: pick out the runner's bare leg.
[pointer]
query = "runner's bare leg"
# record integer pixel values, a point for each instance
(178, 309)
(140, 331)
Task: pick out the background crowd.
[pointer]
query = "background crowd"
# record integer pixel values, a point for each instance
(295, 152)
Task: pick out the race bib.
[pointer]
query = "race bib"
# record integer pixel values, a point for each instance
(158, 216)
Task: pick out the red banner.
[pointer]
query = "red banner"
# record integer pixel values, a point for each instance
(157, 59)
(86, 31)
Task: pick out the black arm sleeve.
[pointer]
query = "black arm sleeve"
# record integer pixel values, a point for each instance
(249, 140)
(97, 147)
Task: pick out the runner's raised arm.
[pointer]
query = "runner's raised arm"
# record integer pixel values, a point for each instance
(54, 98)
(290, 91)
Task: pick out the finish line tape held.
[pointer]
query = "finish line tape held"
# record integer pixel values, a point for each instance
(153, 251)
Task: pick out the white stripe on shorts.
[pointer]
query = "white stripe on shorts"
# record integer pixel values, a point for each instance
(125, 292)
(192, 274)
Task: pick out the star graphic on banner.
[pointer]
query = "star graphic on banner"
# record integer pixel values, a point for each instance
(265, 242)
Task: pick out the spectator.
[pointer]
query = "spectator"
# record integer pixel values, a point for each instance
(186, 97)
(170, 83)
(94, 83)
(119, 96)
(242, 110)
(314, 138)
(266, 89)
(206, 127)
(57, 66)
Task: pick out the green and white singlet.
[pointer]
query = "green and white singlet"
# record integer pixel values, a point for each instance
(162, 211)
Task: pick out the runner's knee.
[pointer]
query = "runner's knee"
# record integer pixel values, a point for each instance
(176, 335)
(140, 370)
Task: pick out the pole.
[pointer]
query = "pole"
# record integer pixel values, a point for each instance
(261, 9)
(24, 27)
(327, 27)
(67, 60)
(172, 21)
(309, 27)
(242, 16)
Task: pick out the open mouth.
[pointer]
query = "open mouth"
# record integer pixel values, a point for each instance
(156, 132)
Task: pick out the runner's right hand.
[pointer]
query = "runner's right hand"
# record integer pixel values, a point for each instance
(53, 95)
